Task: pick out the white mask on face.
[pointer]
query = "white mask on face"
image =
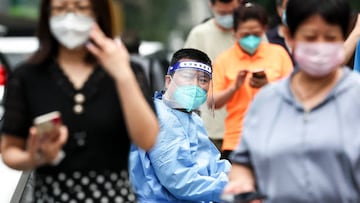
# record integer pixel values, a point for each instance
(71, 30)
(225, 21)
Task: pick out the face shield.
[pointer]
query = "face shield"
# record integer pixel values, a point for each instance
(188, 86)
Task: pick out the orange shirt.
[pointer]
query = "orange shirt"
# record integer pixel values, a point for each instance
(272, 58)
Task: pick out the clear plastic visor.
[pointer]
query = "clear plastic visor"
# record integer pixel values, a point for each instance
(188, 89)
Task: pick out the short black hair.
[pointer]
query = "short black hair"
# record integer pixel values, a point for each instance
(279, 3)
(222, 1)
(334, 12)
(131, 40)
(250, 11)
(189, 53)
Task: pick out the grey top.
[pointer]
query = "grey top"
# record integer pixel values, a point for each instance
(300, 156)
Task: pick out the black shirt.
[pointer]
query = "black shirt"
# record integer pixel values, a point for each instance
(98, 138)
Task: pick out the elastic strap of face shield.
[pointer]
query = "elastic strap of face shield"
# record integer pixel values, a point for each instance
(190, 64)
(211, 101)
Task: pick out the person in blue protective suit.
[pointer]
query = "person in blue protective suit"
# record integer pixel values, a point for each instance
(184, 165)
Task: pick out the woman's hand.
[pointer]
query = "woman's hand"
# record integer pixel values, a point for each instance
(21, 154)
(111, 53)
(241, 181)
(46, 150)
(237, 186)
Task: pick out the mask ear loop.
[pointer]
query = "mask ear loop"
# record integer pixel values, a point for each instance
(166, 95)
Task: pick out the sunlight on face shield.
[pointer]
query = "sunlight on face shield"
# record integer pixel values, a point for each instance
(190, 76)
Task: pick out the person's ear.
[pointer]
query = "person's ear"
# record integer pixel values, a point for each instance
(279, 11)
(167, 81)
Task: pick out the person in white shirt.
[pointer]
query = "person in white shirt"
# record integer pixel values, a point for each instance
(213, 37)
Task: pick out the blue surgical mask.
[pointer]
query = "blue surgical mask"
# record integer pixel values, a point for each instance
(225, 21)
(250, 43)
(190, 97)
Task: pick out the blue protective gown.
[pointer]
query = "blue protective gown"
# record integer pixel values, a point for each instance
(303, 156)
(183, 166)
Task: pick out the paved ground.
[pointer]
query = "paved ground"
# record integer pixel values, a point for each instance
(8, 181)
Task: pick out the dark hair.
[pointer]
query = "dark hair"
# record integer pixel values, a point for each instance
(279, 3)
(193, 54)
(250, 11)
(48, 46)
(222, 1)
(334, 12)
(131, 41)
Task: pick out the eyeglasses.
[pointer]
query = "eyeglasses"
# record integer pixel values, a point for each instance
(199, 77)
(77, 8)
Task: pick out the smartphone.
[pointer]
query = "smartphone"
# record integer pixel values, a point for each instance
(47, 124)
(259, 73)
(248, 197)
(245, 197)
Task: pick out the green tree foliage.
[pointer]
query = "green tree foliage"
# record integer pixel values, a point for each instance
(153, 19)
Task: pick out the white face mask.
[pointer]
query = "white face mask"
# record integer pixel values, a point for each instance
(225, 21)
(71, 30)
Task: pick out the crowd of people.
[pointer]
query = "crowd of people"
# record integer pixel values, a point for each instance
(245, 111)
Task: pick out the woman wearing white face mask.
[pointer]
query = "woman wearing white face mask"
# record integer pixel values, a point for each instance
(102, 107)
(301, 136)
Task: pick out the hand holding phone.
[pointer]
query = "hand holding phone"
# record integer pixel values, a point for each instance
(258, 78)
(47, 127)
(259, 73)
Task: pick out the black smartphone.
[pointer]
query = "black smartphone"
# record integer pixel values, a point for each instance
(259, 73)
(245, 197)
(248, 197)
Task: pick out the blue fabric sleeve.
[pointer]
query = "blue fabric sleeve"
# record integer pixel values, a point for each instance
(177, 170)
(357, 58)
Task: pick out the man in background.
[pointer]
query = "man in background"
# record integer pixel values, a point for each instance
(213, 37)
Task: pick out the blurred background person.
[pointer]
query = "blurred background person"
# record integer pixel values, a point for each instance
(234, 82)
(101, 104)
(184, 164)
(303, 146)
(279, 34)
(213, 37)
(151, 65)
